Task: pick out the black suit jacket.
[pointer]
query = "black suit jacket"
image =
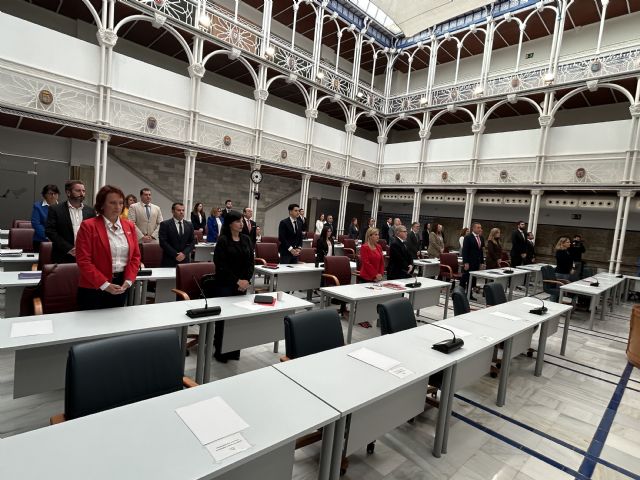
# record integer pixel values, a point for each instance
(471, 253)
(288, 238)
(251, 234)
(518, 247)
(305, 223)
(172, 243)
(399, 260)
(413, 244)
(322, 249)
(531, 252)
(60, 231)
(384, 231)
(197, 225)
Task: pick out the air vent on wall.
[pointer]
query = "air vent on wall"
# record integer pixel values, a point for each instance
(453, 198)
(434, 197)
(598, 203)
(560, 202)
(489, 200)
(397, 197)
(515, 201)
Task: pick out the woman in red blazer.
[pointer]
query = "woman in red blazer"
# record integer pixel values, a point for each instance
(371, 258)
(107, 253)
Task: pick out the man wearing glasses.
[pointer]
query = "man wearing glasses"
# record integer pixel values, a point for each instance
(400, 261)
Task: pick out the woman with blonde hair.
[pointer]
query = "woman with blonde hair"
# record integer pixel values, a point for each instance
(371, 258)
(494, 249)
(436, 242)
(564, 261)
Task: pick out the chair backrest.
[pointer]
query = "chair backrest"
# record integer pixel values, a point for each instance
(339, 267)
(341, 238)
(314, 243)
(269, 240)
(504, 264)
(310, 234)
(199, 235)
(117, 371)
(349, 243)
(185, 273)
(494, 294)
(450, 259)
(59, 287)
(15, 223)
(151, 255)
(268, 252)
(44, 256)
(460, 302)
(307, 255)
(21, 238)
(312, 332)
(396, 315)
(549, 273)
(383, 243)
(24, 224)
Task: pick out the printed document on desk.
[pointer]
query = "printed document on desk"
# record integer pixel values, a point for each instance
(228, 446)
(374, 359)
(211, 420)
(25, 329)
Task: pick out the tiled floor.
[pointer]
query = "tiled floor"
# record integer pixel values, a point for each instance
(544, 431)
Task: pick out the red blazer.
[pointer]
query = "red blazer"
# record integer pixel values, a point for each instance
(93, 253)
(371, 263)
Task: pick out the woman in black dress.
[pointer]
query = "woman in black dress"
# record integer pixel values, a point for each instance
(564, 261)
(233, 258)
(198, 217)
(324, 245)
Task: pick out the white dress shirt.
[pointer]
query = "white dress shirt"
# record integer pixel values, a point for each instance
(119, 248)
(76, 218)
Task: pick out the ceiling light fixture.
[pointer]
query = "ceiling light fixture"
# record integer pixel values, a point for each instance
(320, 75)
(548, 77)
(204, 21)
(359, 94)
(270, 51)
(424, 100)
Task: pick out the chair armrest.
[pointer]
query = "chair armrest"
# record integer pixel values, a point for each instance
(555, 282)
(333, 278)
(284, 358)
(34, 267)
(348, 251)
(37, 306)
(181, 294)
(447, 269)
(259, 261)
(189, 382)
(56, 419)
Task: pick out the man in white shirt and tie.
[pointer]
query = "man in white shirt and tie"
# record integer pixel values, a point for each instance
(176, 238)
(248, 225)
(147, 217)
(290, 236)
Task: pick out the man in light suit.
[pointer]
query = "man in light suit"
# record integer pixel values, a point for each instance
(248, 225)
(176, 238)
(63, 222)
(472, 254)
(147, 217)
(290, 236)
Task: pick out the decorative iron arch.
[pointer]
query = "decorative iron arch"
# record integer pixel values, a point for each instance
(331, 98)
(442, 112)
(93, 13)
(374, 117)
(294, 82)
(397, 119)
(240, 59)
(578, 90)
(505, 101)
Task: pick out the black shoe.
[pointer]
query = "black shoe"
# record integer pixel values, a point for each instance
(473, 298)
(220, 358)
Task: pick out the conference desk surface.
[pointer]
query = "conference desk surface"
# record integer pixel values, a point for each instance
(40, 359)
(508, 280)
(18, 262)
(292, 277)
(148, 440)
(607, 282)
(365, 296)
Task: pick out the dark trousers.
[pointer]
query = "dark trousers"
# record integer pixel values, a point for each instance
(287, 258)
(96, 299)
(464, 281)
(222, 290)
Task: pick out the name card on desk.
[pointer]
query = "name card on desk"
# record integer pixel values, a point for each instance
(228, 446)
(374, 359)
(25, 329)
(505, 315)
(211, 420)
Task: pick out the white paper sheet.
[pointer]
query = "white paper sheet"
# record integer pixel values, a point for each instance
(25, 329)
(374, 359)
(250, 305)
(400, 372)
(458, 331)
(228, 446)
(211, 420)
(530, 304)
(505, 315)
(487, 338)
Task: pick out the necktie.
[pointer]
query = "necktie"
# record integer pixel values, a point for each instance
(180, 231)
(478, 240)
(148, 209)
(295, 227)
(248, 225)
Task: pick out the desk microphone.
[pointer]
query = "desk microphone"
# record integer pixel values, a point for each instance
(207, 311)
(415, 283)
(507, 270)
(540, 310)
(594, 284)
(447, 346)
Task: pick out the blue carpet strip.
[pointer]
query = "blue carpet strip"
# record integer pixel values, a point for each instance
(519, 446)
(600, 437)
(545, 436)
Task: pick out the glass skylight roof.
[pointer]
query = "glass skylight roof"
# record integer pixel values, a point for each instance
(378, 15)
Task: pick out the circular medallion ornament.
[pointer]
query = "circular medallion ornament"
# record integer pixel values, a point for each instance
(444, 176)
(283, 154)
(226, 140)
(46, 97)
(335, 83)
(327, 165)
(581, 173)
(515, 82)
(397, 177)
(291, 62)
(596, 65)
(363, 173)
(235, 35)
(454, 94)
(159, 3)
(504, 175)
(152, 123)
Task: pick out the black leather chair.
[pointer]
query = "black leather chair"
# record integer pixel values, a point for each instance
(460, 301)
(311, 332)
(494, 294)
(550, 283)
(396, 315)
(117, 371)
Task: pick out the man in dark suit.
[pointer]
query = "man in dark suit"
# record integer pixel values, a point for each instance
(228, 206)
(329, 223)
(248, 225)
(519, 245)
(472, 256)
(400, 261)
(63, 222)
(176, 238)
(531, 249)
(384, 230)
(290, 236)
(302, 218)
(413, 241)
(363, 231)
